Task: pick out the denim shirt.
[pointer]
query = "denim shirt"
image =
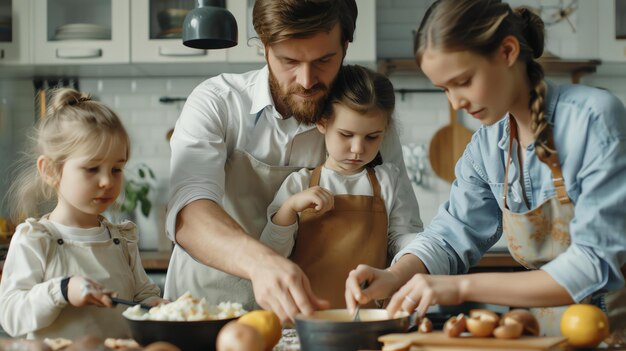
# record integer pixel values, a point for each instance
(589, 127)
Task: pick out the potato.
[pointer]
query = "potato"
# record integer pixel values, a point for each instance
(239, 337)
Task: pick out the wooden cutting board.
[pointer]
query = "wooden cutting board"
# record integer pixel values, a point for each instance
(447, 146)
(440, 339)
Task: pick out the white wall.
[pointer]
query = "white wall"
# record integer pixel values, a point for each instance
(16, 116)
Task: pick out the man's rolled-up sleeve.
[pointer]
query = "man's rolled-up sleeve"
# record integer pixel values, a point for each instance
(199, 154)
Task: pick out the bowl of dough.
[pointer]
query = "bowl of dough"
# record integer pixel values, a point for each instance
(189, 323)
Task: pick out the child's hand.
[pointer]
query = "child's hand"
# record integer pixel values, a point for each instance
(83, 292)
(315, 197)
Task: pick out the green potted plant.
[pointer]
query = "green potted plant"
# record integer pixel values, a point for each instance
(138, 182)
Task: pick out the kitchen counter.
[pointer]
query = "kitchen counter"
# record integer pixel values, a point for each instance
(155, 260)
(159, 260)
(290, 342)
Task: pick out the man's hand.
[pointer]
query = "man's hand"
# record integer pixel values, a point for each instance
(282, 287)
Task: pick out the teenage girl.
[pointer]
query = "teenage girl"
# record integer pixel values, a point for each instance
(546, 168)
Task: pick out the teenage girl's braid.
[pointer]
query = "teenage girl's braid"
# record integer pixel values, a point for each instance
(533, 32)
(539, 124)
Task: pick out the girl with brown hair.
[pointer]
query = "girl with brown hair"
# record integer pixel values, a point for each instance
(351, 209)
(546, 169)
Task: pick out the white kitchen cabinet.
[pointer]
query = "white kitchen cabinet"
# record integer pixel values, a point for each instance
(249, 48)
(14, 39)
(156, 33)
(81, 31)
(612, 30)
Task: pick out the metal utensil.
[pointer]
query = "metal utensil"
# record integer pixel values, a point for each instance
(117, 300)
(357, 317)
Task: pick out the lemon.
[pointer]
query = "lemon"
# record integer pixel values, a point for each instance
(584, 325)
(267, 323)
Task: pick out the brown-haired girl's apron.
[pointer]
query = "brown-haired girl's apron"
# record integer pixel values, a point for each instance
(538, 236)
(330, 245)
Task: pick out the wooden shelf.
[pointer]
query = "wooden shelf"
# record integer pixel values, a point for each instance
(552, 66)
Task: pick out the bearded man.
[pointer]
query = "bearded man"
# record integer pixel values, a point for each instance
(237, 139)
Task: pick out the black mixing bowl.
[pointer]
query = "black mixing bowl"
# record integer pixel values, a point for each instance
(187, 335)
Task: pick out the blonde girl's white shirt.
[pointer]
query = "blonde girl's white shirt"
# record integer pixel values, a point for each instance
(401, 228)
(31, 302)
(99, 233)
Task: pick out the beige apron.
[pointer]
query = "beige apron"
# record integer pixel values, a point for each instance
(330, 245)
(106, 262)
(250, 187)
(538, 236)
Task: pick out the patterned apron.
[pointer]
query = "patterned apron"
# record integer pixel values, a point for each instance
(538, 236)
(330, 245)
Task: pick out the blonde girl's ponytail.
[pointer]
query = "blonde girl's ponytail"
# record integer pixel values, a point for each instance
(65, 97)
(27, 189)
(74, 123)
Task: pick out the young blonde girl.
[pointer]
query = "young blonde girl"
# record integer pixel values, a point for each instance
(547, 168)
(64, 266)
(349, 210)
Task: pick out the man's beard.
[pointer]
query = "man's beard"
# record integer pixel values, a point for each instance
(306, 111)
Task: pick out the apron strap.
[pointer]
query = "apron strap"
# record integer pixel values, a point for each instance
(118, 239)
(512, 136)
(551, 161)
(44, 221)
(371, 175)
(315, 177)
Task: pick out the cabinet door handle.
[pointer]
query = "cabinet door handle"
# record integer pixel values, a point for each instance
(74, 53)
(167, 51)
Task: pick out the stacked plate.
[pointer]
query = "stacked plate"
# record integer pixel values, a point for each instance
(5, 28)
(82, 31)
(170, 33)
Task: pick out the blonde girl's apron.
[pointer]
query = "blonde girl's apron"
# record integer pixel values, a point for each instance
(250, 187)
(106, 262)
(330, 245)
(538, 236)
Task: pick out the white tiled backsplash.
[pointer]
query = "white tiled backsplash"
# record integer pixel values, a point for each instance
(137, 102)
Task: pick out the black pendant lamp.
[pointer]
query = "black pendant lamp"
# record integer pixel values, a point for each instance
(210, 26)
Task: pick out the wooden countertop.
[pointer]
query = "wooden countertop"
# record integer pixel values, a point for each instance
(155, 260)
(498, 260)
(159, 260)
